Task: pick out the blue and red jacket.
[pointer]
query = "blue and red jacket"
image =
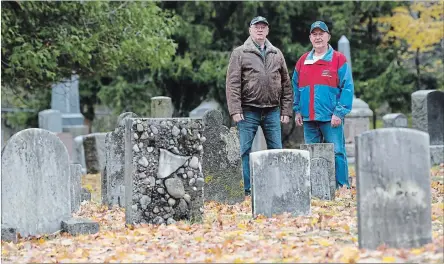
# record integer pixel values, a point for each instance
(322, 88)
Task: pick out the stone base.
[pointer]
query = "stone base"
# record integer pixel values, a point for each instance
(9, 234)
(80, 226)
(436, 154)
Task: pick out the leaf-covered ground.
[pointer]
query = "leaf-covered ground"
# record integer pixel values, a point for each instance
(229, 234)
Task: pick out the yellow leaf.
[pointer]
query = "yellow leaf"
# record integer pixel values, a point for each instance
(41, 241)
(416, 251)
(388, 259)
(324, 242)
(238, 260)
(346, 228)
(241, 226)
(199, 239)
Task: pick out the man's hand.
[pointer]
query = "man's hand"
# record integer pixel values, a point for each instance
(298, 119)
(285, 119)
(335, 121)
(238, 117)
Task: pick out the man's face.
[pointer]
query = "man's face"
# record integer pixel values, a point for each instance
(319, 38)
(259, 31)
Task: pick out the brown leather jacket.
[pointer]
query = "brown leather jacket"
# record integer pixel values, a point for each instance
(251, 81)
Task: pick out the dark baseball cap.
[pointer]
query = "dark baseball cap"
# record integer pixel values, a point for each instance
(319, 24)
(258, 19)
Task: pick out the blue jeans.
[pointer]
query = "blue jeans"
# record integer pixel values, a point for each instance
(323, 132)
(270, 121)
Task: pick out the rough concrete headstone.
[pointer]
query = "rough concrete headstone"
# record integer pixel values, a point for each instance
(161, 107)
(322, 170)
(222, 164)
(94, 149)
(395, 120)
(35, 182)
(51, 120)
(155, 157)
(80, 226)
(393, 188)
(428, 116)
(76, 186)
(280, 182)
(113, 190)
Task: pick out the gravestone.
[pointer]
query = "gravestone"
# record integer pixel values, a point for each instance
(205, 106)
(280, 182)
(322, 170)
(292, 135)
(222, 164)
(94, 151)
(156, 152)
(393, 188)
(65, 98)
(51, 120)
(162, 107)
(428, 116)
(35, 182)
(76, 186)
(344, 48)
(395, 120)
(355, 123)
(78, 156)
(113, 189)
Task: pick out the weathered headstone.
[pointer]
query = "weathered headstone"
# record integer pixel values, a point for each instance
(428, 116)
(78, 156)
(161, 107)
(205, 106)
(259, 142)
(393, 188)
(94, 147)
(51, 120)
(113, 189)
(76, 186)
(395, 120)
(156, 152)
(355, 123)
(222, 164)
(280, 180)
(322, 170)
(35, 182)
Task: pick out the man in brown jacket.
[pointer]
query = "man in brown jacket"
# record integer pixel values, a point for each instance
(258, 92)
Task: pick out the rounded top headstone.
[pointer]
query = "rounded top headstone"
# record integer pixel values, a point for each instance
(212, 118)
(160, 98)
(123, 116)
(360, 109)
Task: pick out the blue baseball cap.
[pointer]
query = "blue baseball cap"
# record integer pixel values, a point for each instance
(319, 24)
(258, 19)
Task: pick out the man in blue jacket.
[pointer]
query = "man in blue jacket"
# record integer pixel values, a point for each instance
(323, 94)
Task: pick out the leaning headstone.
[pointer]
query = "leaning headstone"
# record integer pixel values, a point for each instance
(322, 170)
(157, 150)
(94, 147)
(222, 164)
(280, 180)
(395, 120)
(76, 186)
(113, 188)
(355, 123)
(161, 107)
(35, 182)
(428, 116)
(51, 120)
(393, 188)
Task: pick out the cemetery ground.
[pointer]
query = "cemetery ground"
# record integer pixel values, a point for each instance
(229, 234)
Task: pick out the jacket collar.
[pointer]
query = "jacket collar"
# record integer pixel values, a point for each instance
(327, 57)
(251, 47)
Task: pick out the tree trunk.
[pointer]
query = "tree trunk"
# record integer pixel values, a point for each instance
(418, 73)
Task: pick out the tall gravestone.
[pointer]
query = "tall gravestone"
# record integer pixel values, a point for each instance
(222, 164)
(428, 116)
(35, 182)
(280, 182)
(113, 188)
(65, 98)
(75, 186)
(155, 154)
(395, 120)
(161, 107)
(322, 170)
(393, 188)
